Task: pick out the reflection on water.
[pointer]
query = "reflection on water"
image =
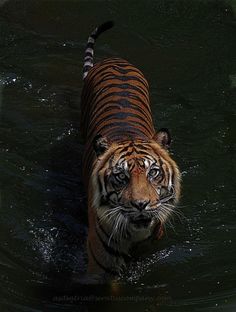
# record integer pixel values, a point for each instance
(187, 52)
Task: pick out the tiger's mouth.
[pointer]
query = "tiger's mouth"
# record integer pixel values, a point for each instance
(141, 221)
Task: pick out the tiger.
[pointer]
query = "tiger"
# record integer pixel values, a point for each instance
(132, 183)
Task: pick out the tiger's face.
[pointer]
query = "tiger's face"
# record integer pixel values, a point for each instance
(136, 186)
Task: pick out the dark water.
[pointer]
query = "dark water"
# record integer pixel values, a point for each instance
(187, 51)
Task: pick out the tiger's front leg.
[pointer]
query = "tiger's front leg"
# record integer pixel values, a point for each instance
(103, 256)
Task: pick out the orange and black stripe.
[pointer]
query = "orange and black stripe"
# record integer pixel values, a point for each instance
(114, 103)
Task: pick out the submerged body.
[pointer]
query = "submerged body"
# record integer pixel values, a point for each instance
(132, 182)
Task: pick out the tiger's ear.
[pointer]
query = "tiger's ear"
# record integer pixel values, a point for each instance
(100, 144)
(163, 138)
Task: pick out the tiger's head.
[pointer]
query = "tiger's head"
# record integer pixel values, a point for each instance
(135, 184)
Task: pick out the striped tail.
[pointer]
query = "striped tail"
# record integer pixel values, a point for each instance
(88, 59)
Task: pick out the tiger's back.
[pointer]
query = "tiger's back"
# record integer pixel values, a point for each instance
(115, 104)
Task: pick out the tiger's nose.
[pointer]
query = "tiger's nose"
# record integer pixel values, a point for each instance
(140, 204)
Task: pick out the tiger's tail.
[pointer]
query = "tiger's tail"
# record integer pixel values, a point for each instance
(88, 59)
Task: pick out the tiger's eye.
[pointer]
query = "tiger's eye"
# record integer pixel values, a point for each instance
(154, 172)
(121, 176)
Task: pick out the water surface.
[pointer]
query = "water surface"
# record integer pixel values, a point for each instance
(186, 50)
